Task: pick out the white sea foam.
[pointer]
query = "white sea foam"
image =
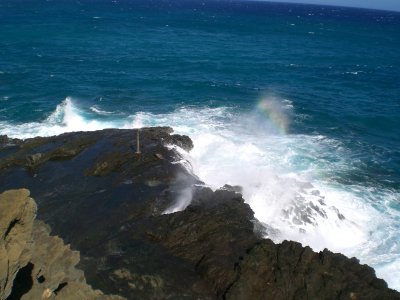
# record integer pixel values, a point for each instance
(354, 72)
(67, 117)
(99, 111)
(286, 178)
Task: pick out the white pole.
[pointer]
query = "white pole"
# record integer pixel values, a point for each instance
(137, 142)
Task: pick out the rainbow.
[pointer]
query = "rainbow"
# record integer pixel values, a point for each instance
(273, 110)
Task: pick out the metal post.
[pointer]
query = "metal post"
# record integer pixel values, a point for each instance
(137, 142)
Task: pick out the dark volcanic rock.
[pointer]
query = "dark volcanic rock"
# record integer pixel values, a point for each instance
(108, 203)
(88, 185)
(6, 141)
(211, 234)
(96, 174)
(234, 188)
(290, 271)
(215, 234)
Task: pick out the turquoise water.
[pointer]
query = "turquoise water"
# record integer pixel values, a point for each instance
(299, 104)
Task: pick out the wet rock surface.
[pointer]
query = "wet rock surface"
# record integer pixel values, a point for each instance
(107, 201)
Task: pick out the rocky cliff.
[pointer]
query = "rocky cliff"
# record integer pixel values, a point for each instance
(33, 264)
(109, 203)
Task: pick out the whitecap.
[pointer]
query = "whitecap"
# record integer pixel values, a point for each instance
(354, 72)
(67, 117)
(286, 178)
(99, 111)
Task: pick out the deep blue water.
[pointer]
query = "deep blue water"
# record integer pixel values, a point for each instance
(329, 79)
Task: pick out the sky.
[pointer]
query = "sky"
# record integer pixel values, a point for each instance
(376, 4)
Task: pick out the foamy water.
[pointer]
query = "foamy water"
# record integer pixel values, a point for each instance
(285, 177)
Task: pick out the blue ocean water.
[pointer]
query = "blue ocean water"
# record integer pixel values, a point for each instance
(299, 104)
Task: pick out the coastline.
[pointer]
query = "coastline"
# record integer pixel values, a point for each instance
(109, 203)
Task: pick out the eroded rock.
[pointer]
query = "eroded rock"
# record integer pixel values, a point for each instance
(33, 264)
(17, 212)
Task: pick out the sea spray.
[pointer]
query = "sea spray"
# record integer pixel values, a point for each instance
(212, 74)
(286, 178)
(67, 117)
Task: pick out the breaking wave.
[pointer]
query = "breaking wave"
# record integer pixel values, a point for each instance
(286, 178)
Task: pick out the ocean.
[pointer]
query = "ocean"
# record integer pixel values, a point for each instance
(298, 104)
